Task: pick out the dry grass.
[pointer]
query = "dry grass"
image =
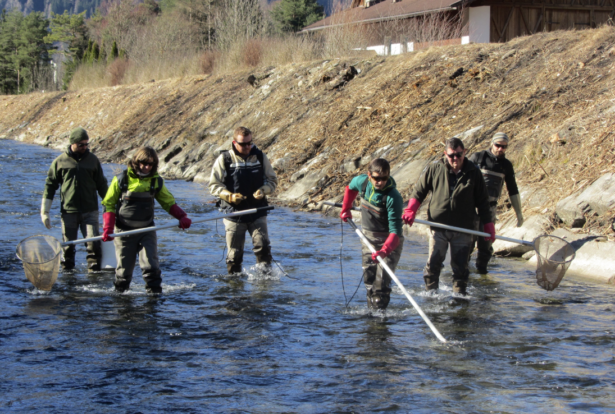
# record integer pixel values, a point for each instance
(532, 88)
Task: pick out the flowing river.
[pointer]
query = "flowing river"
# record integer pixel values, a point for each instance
(277, 344)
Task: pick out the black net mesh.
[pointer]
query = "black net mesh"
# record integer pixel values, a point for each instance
(41, 260)
(554, 256)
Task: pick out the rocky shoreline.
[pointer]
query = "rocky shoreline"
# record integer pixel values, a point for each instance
(321, 122)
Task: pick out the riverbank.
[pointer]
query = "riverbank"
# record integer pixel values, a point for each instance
(322, 122)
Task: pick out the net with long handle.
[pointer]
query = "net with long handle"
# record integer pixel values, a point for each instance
(40, 255)
(554, 256)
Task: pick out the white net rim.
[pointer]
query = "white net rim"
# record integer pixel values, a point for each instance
(566, 242)
(46, 237)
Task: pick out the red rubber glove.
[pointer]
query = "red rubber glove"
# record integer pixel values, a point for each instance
(410, 211)
(389, 245)
(108, 226)
(179, 214)
(349, 196)
(490, 228)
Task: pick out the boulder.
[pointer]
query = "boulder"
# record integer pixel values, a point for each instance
(406, 174)
(598, 198)
(593, 257)
(533, 227)
(282, 164)
(533, 197)
(305, 184)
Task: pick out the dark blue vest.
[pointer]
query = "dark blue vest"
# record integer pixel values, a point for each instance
(244, 178)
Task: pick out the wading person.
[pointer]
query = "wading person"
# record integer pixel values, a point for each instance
(496, 170)
(458, 189)
(242, 177)
(381, 209)
(79, 175)
(129, 205)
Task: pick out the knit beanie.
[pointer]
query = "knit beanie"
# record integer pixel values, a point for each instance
(77, 135)
(499, 136)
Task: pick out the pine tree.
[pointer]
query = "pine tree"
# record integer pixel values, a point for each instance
(67, 29)
(114, 52)
(294, 15)
(23, 50)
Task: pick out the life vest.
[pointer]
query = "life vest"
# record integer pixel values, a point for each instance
(493, 174)
(135, 210)
(375, 219)
(244, 178)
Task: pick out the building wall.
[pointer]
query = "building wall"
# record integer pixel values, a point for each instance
(510, 20)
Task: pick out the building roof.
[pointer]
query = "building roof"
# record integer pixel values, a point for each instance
(385, 10)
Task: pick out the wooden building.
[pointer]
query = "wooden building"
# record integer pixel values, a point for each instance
(480, 21)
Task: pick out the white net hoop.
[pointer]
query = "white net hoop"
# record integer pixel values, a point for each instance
(40, 255)
(554, 256)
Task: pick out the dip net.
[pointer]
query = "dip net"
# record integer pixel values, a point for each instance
(554, 256)
(41, 260)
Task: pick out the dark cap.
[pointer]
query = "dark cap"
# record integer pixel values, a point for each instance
(77, 135)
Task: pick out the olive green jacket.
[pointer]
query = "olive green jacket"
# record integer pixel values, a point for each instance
(79, 179)
(459, 208)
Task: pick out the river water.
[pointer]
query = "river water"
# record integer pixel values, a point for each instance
(277, 344)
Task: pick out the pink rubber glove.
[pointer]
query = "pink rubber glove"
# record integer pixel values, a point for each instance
(389, 245)
(410, 211)
(108, 226)
(349, 196)
(179, 214)
(490, 228)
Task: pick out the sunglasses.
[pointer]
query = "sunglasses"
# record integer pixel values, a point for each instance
(146, 163)
(244, 144)
(455, 155)
(380, 179)
(83, 145)
(503, 146)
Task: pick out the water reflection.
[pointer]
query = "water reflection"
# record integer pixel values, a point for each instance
(269, 343)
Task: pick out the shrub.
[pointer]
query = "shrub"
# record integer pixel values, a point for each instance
(207, 61)
(252, 52)
(117, 70)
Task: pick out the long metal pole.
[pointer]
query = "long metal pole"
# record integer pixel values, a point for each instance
(396, 280)
(447, 227)
(167, 226)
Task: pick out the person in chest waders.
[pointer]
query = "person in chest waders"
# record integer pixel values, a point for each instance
(496, 170)
(458, 190)
(241, 178)
(129, 205)
(381, 209)
(79, 176)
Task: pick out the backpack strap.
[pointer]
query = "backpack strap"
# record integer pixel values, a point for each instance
(153, 190)
(363, 188)
(227, 159)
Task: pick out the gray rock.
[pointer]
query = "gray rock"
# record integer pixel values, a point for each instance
(350, 166)
(406, 174)
(598, 198)
(533, 227)
(282, 164)
(593, 256)
(469, 133)
(533, 197)
(304, 185)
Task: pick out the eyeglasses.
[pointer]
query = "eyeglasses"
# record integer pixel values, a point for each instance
(503, 146)
(146, 163)
(380, 178)
(455, 154)
(244, 144)
(83, 144)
